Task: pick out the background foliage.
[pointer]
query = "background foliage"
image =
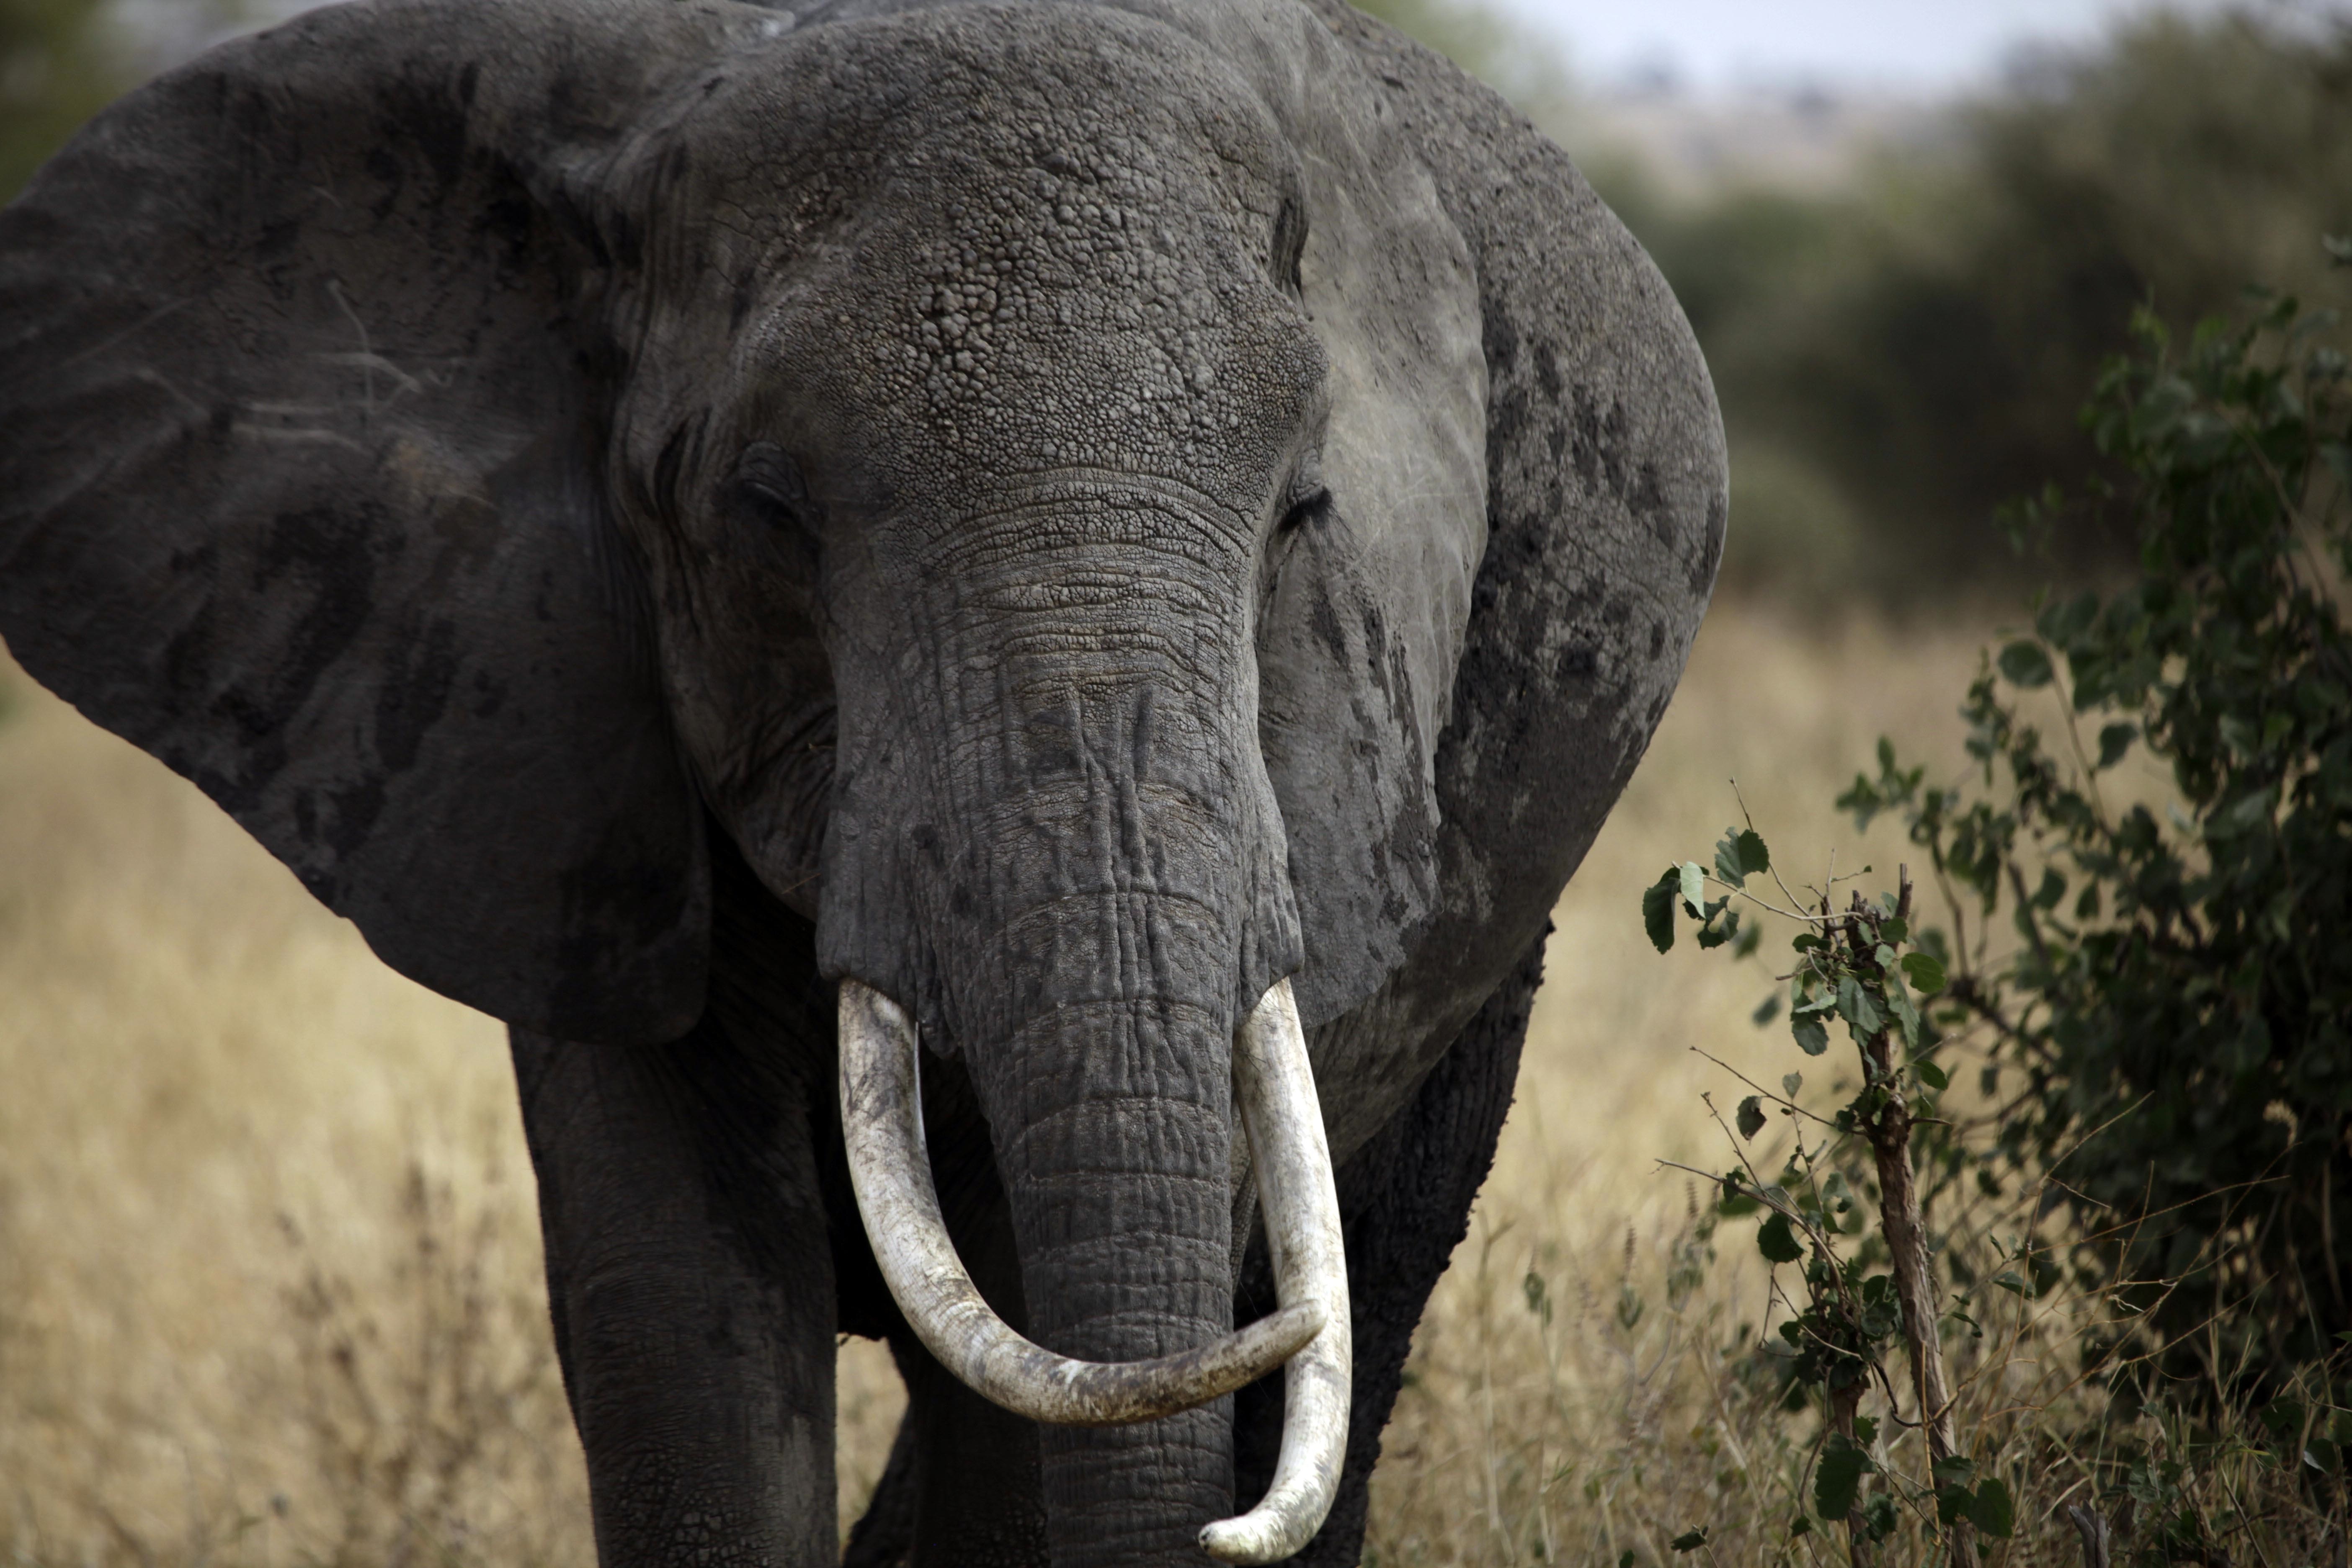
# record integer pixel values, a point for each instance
(59, 65)
(2171, 857)
(1897, 358)
(1897, 361)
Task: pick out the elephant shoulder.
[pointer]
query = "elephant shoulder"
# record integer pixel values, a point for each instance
(1606, 505)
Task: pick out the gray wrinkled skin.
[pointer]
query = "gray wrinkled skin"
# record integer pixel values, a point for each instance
(1067, 513)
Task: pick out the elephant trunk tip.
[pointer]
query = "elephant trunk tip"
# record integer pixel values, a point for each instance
(881, 1118)
(1273, 1085)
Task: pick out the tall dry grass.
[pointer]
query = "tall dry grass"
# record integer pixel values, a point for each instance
(268, 1259)
(1570, 1396)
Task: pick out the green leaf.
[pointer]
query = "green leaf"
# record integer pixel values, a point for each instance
(1837, 1478)
(1777, 1242)
(1898, 1001)
(1754, 858)
(1931, 1075)
(1790, 1082)
(2115, 740)
(1926, 975)
(1994, 1511)
(1766, 1011)
(2026, 665)
(1751, 1116)
(1858, 1007)
(1727, 869)
(1800, 1525)
(1658, 909)
(1694, 889)
(1811, 1038)
(2240, 817)
(1817, 1001)
(1690, 1540)
(1894, 929)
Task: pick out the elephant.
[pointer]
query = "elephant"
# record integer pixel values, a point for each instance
(991, 628)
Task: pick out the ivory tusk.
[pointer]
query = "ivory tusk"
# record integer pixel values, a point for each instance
(882, 1128)
(1275, 1087)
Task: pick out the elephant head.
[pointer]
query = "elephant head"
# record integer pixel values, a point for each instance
(1017, 472)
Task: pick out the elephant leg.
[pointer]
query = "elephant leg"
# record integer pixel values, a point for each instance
(978, 1494)
(689, 1277)
(962, 1484)
(1405, 1203)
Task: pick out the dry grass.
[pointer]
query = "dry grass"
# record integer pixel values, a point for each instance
(1569, 1396)
(268, 1262)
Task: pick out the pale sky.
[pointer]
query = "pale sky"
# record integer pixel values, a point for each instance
(1904, 46)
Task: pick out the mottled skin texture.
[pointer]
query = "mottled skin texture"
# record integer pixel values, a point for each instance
(1066, 512)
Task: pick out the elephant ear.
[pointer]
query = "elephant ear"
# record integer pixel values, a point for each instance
(300, 487)
(1358, 649)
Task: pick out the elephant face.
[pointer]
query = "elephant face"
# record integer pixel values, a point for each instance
(469, 443)
(994, 453)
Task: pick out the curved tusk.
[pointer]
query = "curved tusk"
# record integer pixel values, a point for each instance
(1275, 1088)
(882, 1129)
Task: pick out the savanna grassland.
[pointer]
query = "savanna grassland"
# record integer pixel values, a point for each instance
(268, 1255)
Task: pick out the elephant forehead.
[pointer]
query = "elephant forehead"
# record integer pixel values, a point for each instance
(1071, 330)
(1089, 128)
(1004, 82)
(1009, 246)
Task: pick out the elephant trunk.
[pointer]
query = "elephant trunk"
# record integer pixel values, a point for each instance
(882, 1123)
(1053, 839)
(1117, 1164)
(1274, 1084)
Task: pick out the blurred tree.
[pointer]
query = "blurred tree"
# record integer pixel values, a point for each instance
(1490, 47)
(1904, 358)
(60, 63)
(2180, 1021)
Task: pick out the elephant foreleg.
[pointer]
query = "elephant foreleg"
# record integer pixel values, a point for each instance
(962, 1490)
(1405, 1202)
(690, 1284)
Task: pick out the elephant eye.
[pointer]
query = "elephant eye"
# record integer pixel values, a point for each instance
(1290, 246)
(770, 491)
(1309, 499)
(1306, 509)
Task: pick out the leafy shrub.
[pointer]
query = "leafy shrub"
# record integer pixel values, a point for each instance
(56, 68)
(2173, 1028)
(1850, 968)
(1920, 342)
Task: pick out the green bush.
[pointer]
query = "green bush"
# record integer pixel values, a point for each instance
(2171, 1032)
(1919, 342)
(57, 68)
